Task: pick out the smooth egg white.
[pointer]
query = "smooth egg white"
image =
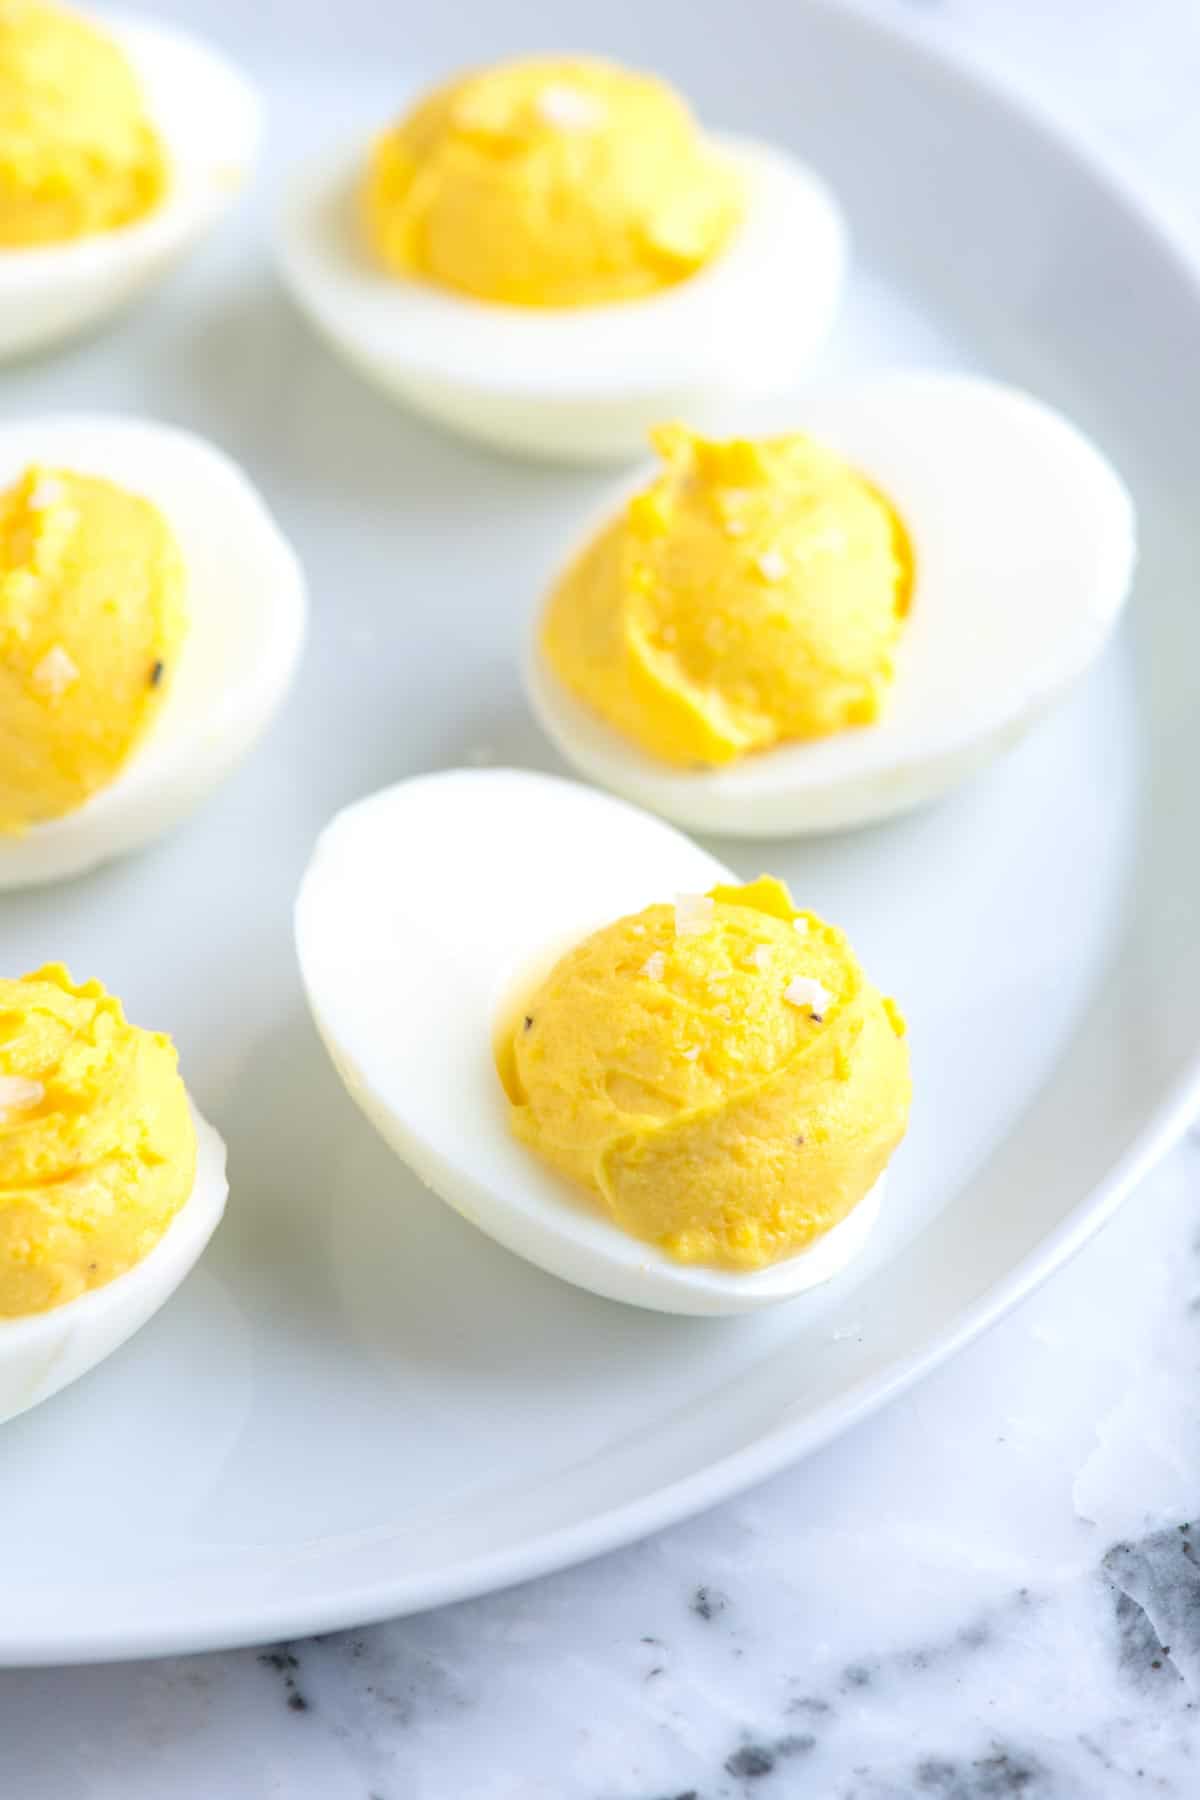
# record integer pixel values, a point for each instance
(246, 606)
(426, 913)
(47, 1351)
(209, 117)
(578, 383)
(1024, 540)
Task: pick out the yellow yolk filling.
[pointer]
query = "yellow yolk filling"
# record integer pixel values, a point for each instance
(554, 182)
(754, 593)
(91, 623)
(723, 1079)
(78, 154)
(97, 1144)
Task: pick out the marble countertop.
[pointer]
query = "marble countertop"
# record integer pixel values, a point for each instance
(990, 1590)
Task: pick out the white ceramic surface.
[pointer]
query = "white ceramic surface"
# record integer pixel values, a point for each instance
(349, 1442)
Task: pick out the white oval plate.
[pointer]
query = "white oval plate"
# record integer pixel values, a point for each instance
(358, 1405)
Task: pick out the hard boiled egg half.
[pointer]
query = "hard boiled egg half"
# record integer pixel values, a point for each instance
(111, 1183)
(151, 618)
(123, 141)
(524, 983)
(795, 634)
(550, 256)
(41, 1354)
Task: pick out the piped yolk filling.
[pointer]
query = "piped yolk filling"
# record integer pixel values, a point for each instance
(718, 1075)
(97, 1143)
(78, 153)
(553, 182)
(754, 594)
(92, 622)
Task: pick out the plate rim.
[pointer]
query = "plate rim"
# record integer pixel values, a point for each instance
(1178, 244)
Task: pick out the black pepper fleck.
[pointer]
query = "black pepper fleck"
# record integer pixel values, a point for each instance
(157, 672)
(529, 1021)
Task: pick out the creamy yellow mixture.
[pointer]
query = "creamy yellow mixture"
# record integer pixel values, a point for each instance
(554, 182)
(78, 154)
(91, 623)
(755, 592)
(97, 1145)
(719, 1074)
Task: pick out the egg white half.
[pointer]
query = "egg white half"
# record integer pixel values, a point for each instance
(1024, 540)
(578, 383)
(47, 1351)
(246, 609)
(209, 117)
(426, 913)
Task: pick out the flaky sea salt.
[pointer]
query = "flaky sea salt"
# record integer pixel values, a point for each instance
(55, 673)
(771, 565)
(831, 541)
(805, 990)
(568, 109)
(655, 966)
(800, 925)
(693, 914)
(46, 492)
(762, 956)
(17, 1093)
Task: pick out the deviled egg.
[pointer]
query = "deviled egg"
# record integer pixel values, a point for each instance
(151, 617)
(550, 255)
(804, 633)
(121, 141)
(111, 1183)
(593, 1042)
